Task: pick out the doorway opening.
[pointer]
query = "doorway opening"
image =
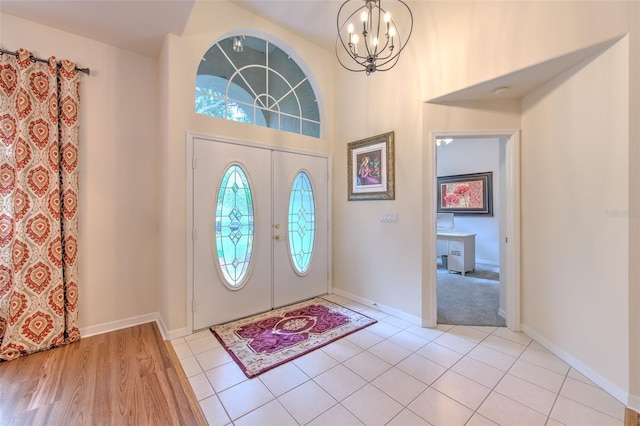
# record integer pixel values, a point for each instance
(475, 277)
(470, 202)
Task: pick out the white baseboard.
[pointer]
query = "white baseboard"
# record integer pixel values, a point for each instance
(175, 334)
(487, 262)
(170, 334)
(133, 321)
(386, 309)
(612, 389)
(120, 324)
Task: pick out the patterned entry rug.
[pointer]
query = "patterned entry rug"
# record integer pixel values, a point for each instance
(265, 341)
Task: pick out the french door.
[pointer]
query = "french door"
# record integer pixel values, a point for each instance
(260, 230)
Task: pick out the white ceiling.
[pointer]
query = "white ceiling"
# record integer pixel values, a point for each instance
(314, 20)
(521, 82)
(140, 25)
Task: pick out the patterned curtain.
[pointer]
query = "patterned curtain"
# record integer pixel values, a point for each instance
(38, 204)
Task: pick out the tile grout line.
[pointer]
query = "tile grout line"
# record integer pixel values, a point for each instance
(447, 369)
(475, 411)
(386, 338)
(555, 401)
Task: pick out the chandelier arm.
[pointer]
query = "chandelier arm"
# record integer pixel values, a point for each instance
(360, 60)
(380, 10)
(386, 44)
(347, 67)
(392, 53)
(341, 27)
(402, 45)
(366, 45)
(395, 55)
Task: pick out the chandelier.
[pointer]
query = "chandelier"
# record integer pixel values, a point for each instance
(238, 43)
(368, 38)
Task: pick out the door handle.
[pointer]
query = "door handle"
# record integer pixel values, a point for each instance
(277, 237)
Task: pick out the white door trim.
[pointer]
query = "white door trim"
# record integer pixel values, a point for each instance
(430, 313)
(190, 137)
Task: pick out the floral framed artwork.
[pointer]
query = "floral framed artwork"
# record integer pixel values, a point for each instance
(469, 194)
(370, 168)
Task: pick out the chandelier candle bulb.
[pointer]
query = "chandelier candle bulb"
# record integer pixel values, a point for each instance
(363, 17)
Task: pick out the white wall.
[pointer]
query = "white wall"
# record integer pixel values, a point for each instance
(380, 262)
(119, 190)
(210, 22)
(457, 45)
(575, 219)
(463, 156)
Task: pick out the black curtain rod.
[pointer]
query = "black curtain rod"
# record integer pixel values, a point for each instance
(87, 71)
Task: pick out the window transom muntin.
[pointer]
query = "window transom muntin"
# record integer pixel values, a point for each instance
(262, 85)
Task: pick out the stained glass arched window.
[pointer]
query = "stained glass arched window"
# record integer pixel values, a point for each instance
(234, 226)
(259, 84)
(302, 222)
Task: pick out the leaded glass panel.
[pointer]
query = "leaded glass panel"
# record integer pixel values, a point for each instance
(302, 222)
(234, 228)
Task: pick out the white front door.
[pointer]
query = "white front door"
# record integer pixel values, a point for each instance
(299, 276)
(215, 300)
(242, 246)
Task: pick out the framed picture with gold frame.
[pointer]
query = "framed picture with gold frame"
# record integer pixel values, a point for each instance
(370, 168)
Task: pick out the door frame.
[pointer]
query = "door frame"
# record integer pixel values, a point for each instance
(189, 232)
(512, 219)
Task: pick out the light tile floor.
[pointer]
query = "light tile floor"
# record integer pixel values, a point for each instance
(396, 373)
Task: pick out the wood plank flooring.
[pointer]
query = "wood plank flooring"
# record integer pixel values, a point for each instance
(631, 418)
(126, 377)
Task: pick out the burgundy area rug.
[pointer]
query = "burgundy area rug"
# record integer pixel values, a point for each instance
(265, 341)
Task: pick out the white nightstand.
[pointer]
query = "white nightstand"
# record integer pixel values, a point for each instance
(461, 251)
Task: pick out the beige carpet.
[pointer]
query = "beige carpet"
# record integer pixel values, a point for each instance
(473, 299)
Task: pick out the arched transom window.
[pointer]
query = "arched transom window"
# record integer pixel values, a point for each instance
(259, 84)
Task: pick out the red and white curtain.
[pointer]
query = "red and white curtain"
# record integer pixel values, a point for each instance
(39, 105)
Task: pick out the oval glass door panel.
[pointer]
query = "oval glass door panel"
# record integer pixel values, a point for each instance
(302, 222)
(234, 226)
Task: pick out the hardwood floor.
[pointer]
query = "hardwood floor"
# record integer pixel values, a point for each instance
(631, 418)
(126, 377)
